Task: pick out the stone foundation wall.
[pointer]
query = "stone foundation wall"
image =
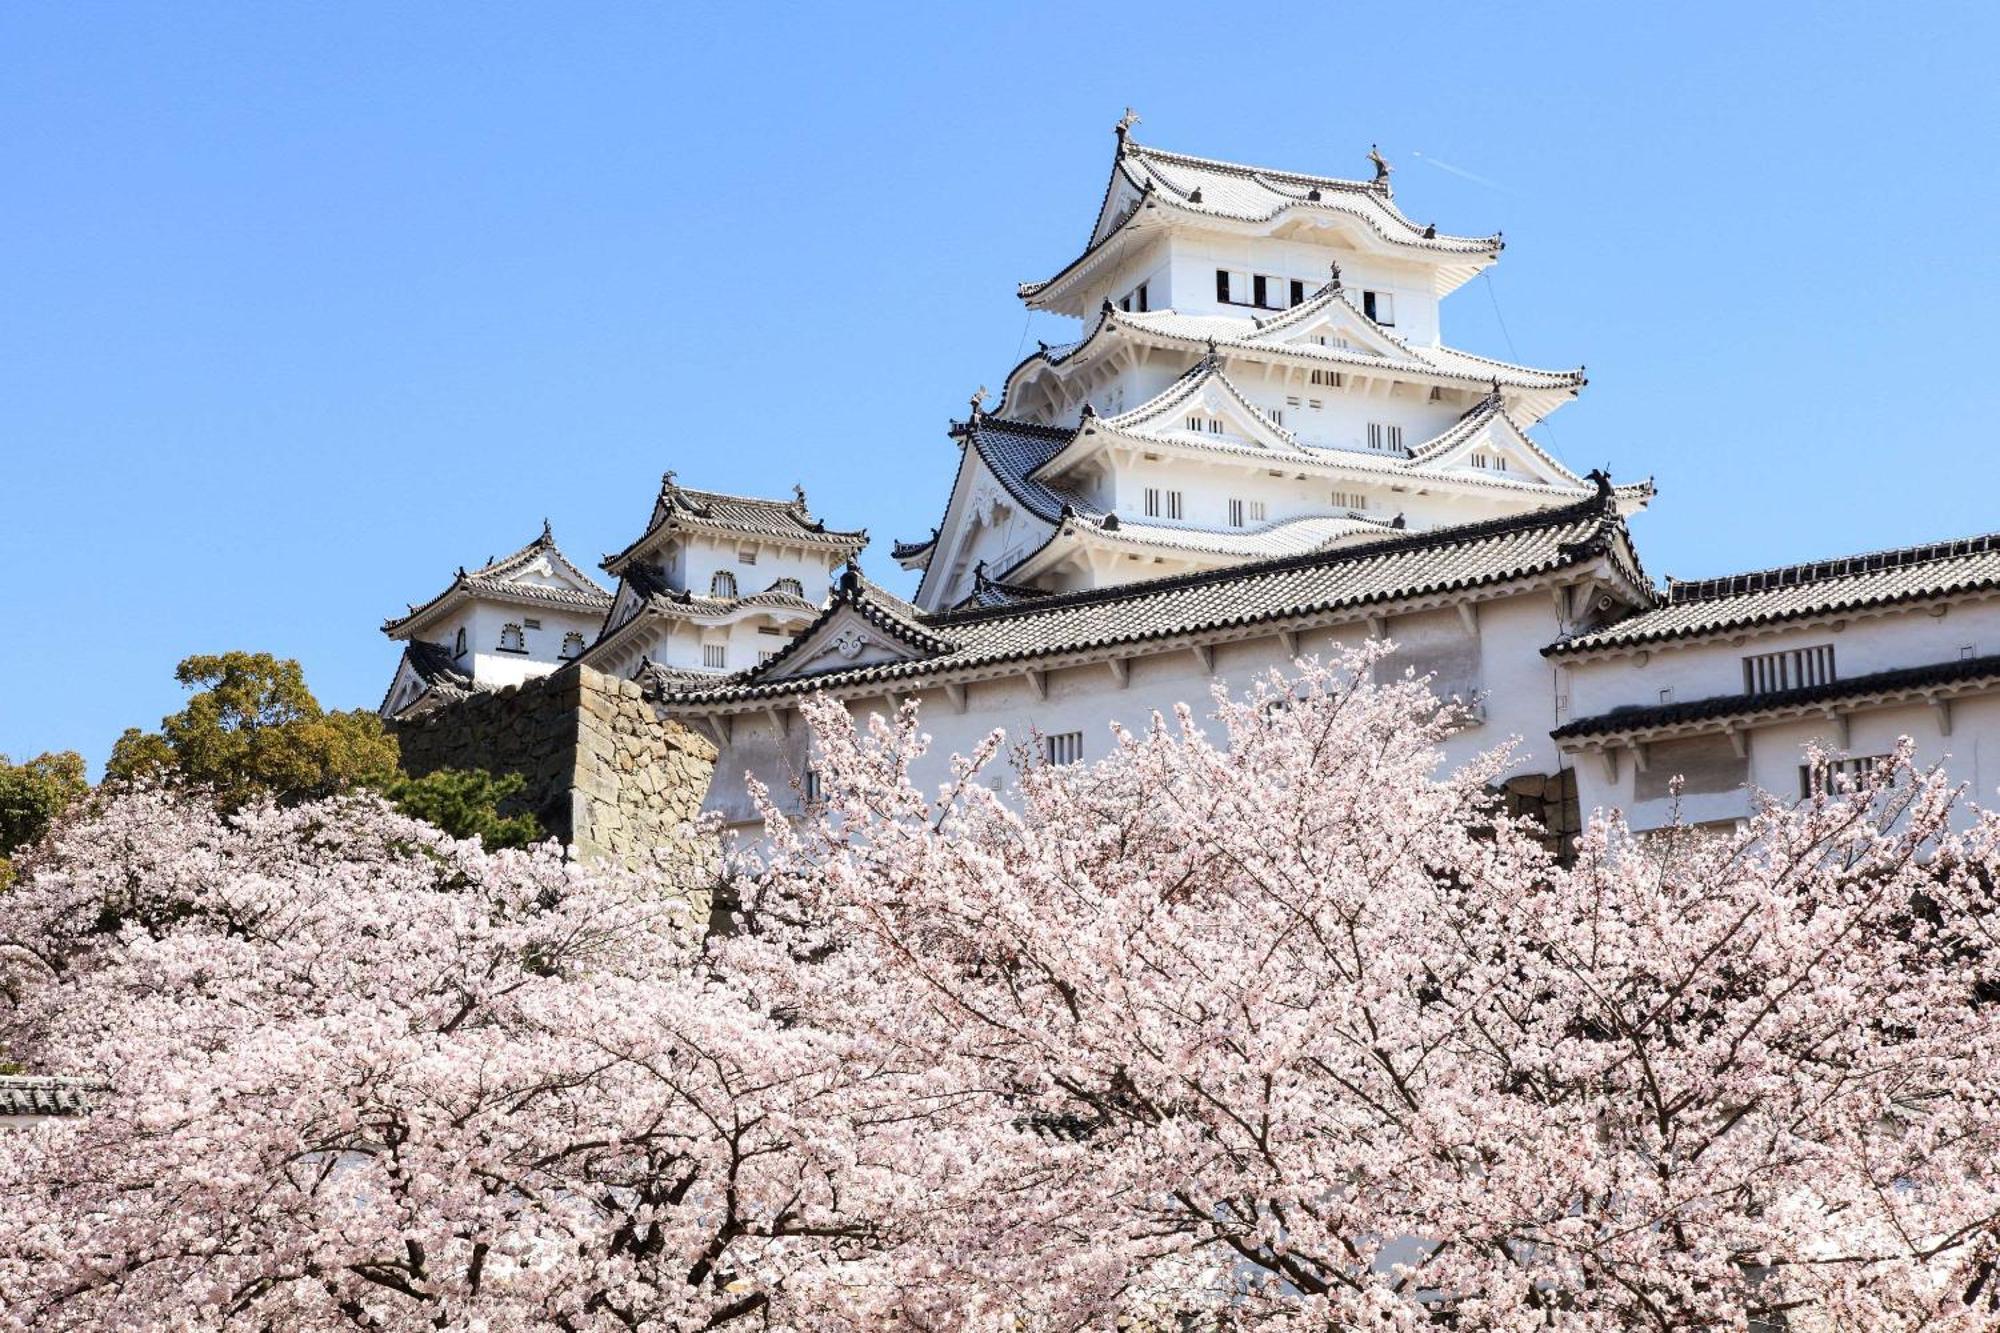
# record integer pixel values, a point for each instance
(606, 771)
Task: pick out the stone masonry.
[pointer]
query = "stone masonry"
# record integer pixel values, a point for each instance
(606, 771)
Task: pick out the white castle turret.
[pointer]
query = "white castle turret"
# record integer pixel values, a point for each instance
(1261, 372)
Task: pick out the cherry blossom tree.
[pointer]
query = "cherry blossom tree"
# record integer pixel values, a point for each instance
(1269, 1020)
(1273, 1019)
(358, 1075)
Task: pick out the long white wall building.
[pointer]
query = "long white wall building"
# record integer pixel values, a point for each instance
(1258, 446)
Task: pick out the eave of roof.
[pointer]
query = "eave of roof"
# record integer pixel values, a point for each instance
(1366, 202)
(1961, 675)
(683, 508)
(1445, 365)
(489, 581)
(1877, 580)
(1516, 549)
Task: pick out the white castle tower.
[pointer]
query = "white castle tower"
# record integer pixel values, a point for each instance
(508, 621)
(1261, 373)
(716, 584)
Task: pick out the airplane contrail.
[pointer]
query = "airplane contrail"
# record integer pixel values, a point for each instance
(1474, 177)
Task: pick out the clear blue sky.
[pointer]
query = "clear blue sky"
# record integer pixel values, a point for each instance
(301, 306)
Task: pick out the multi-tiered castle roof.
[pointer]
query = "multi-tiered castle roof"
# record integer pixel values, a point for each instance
(1261, 374)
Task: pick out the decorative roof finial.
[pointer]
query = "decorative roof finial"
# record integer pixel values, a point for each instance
(979, 402)
(850, 576)
(1598, 477)
(1125, 123)
(1382, 167)
(799, 494)
(667, 480)
(1430, 231)
(1334, 267)
(548, 535)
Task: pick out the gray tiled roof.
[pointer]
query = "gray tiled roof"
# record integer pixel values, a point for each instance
(1013, 450)
(1440, 560)
(788, 520)
(26, 1095)
(495, 579)
(1961, 671)
(1233, 192)
(1792, 592)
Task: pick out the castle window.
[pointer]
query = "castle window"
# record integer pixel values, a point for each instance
(1162, 504)
(715, 656)
(1260, 288)
(512, 640)
(1380, 307)
(792, 586)
(1298, 292)
(458, 643)
(1791, 669)
(531, 624)
(1327, 378)
(1063, 748)
(812, 786)
(1244, 512)
(572, 645)
(1135, 300)
(1382, 435)
(1840, 774)
(747, 556)
(1277, 415)
(1349, 500)
(722, 585)
(1493, 461)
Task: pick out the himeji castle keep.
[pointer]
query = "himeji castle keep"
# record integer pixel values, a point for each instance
(1259, 445)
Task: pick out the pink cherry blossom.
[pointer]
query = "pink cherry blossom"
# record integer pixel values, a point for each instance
(1270, 1019)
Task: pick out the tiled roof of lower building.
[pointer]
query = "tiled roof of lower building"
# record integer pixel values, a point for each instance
(502, 580)
(1794, 592)
(1902, 680)
(23, 1095)
(1396, 569)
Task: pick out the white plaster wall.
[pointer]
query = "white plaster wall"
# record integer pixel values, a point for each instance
(489, 666)
(1193, 258)
(701, 557)
(1701, 670)
(1517, 680)
(1970, 754)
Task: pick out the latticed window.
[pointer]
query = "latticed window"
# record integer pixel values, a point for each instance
(722, 585)
(458, 643)
(1064, 747)
(791, 586)
(1839, 775)
(1349, 500)
(572, 645)
(512, 640)
(715, 656)
(1385, 436)
(1791, 669)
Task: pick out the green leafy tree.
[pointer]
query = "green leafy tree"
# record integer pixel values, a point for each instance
(253, 729)
(33, 795)
(466, 803)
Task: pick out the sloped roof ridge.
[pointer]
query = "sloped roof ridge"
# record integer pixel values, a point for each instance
(1681, 592)
(1602, 505)
(877, 605)
(1719, 706)
(1299, 179)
